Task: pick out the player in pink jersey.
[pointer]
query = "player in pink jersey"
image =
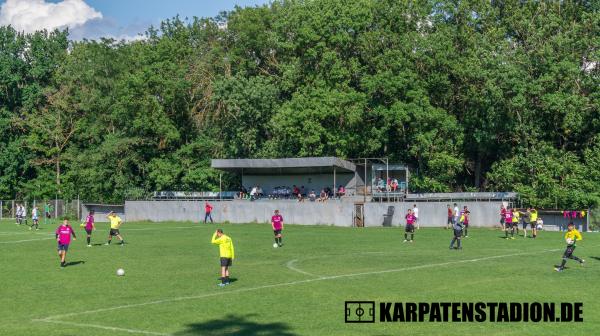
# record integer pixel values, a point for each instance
(89, 227)
(508, 224)
(410, 226)
(63, 237)
(277, 224)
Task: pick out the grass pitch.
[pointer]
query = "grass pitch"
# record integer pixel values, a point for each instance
(170, 285)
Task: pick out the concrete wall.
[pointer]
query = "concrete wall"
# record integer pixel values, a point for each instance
(310, 213)
(338, 213)
(431, 214)
(101, 211)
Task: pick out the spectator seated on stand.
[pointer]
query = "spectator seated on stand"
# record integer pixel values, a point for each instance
(341, 191)
(312, 196)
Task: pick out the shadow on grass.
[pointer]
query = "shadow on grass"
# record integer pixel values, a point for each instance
(231, 280)
(75, 263)
(236, 325)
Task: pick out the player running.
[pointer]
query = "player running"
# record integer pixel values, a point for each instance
(89, 227)
(508, 224)
(572, 236)
(115, 224)
(226, 254)
(63, 237)
(277, 224)
(35, 220)
(410, 226)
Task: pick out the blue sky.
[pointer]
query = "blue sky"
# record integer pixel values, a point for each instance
(112, 18)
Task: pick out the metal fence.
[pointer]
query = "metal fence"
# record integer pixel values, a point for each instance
(55, 208)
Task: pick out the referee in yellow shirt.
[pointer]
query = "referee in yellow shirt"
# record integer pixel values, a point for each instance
(225, 252)
(115, 224)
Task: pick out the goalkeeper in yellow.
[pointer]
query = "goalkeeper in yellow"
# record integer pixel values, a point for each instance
(572, 236)
(225, 252)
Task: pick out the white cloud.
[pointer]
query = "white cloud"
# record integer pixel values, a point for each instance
(32, 15)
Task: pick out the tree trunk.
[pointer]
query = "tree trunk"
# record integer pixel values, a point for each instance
(478, 171)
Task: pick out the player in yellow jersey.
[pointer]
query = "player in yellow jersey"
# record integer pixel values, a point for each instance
(572, 236)
(533, 218)
(225, 252)
(516, 219)
(115, 224)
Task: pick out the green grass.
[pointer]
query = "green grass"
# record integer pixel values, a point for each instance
(175, 264)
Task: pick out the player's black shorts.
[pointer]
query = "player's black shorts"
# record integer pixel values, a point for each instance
(569, 251)
(466, 224)
(533, 225)
(508, 226)
(277, 232)
(88, 231)
(502, 221)
(114, 232)
(450, 221)
(409, 228)
(457, 233)
(63, 247)
(226, 261)
(525, 224)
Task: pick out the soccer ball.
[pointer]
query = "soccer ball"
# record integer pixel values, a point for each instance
(120, 272)
(275, 245)
(569, 241)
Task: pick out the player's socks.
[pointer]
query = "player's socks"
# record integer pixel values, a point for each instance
(459, 244)
(412, 236)
(452, 243)
(405, 236)
(88, 240)
(226, 280)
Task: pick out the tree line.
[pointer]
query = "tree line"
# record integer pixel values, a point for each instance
(473, 95)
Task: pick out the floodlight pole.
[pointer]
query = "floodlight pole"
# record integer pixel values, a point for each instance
(334, 189)
(365, 193)
(387, 178)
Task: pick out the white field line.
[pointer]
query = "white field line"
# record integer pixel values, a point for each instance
(97, 326)
(290, 265)
(26, 240)
(291, 283)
